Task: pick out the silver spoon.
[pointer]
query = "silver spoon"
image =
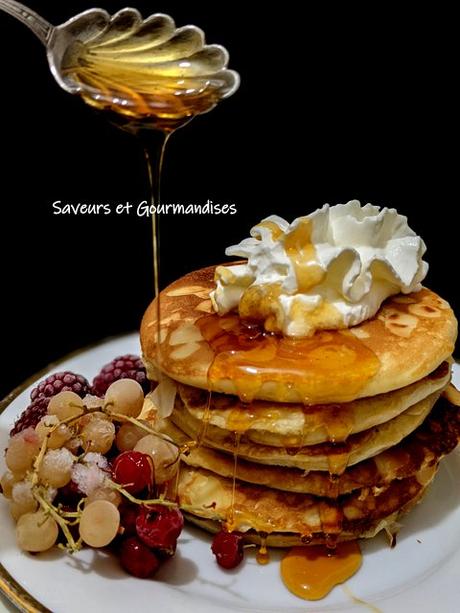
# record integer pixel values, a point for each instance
(135, 67)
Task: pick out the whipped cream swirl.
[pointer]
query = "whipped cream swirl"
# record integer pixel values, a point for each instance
(331, 269)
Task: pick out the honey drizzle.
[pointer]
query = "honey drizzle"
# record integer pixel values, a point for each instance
(230, 520)
(274, 228)
(154, 148)
(334, 481)
(240, 419)
(251, 357)
(205, 421)
(263, 556)
(339, 424)
(261, 301)
(338, 462)
(175, 493)
(336, 419)
(302, 253)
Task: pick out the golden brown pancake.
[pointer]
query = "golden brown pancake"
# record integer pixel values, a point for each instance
(436, 437)
(368, 529)
(409, 337)
(325, 456)
(294, 425)
(207, 496)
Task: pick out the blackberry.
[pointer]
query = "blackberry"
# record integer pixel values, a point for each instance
(124, 367)
(31, 416)
(40, 396)
(61, 382)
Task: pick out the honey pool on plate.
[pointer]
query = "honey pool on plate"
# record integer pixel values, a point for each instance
(312, 572)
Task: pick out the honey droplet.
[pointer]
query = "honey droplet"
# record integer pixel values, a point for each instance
(205, 421)
(230, 523)
(263, 557)
(239, 420)
(302, 253)
(312, 572)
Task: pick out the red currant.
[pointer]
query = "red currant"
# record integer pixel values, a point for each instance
(128, 516)
(228, 549)
(133, 470)
(159, 527)
(137, 559)
(70, 495)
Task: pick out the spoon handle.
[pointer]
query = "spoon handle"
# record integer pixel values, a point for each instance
(37, 24)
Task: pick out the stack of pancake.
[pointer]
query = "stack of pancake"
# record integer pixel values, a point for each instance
(315, 440)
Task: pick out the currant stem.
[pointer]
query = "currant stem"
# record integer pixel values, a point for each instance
(131, 498)
(140, 424)
(48, 508)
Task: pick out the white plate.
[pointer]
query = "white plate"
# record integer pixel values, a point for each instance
(422, 573)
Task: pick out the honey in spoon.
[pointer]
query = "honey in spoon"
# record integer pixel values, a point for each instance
(148, 71)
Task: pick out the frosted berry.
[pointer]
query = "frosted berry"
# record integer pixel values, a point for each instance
(57, 435)
(99, 523)
(23, 500)
(125, 397)
(137, 559)
(164, 455)
(104, 493)
(22, 451)
(36, 531)
(228, 549)
(7, 481)
(40, 396)
(70, 495)
(159, 527)
(98, 434)
(123, 367)
(128, 436)
(61, 382)
(66, 405)
(30, 417)
(133, 470)
(56, 467)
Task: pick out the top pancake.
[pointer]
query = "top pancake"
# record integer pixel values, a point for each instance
(407, 339)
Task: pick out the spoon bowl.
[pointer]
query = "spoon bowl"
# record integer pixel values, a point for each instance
(138, 68)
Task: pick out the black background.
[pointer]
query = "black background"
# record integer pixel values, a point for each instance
(345, 101)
